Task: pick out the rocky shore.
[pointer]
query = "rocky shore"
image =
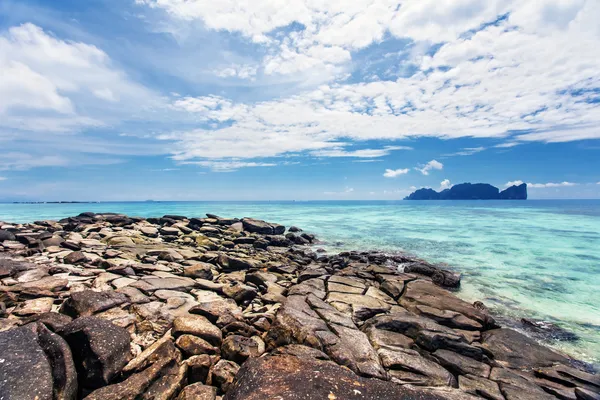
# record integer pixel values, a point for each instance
(105, 306)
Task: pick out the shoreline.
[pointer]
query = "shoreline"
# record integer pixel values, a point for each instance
(244, 289)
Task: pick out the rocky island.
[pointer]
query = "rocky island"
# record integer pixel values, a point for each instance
(105, 306)
(469, 191)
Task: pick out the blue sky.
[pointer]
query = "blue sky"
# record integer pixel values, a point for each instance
(275, 99)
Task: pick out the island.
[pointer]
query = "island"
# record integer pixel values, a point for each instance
(471, 191)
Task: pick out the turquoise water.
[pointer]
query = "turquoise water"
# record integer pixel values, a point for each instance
(538, 259)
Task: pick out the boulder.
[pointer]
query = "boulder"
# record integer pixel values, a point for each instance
(6, 235)
(239, 348)
(154, 365)
(223, 374)
(461, 365)
(199, 270)
(262, 227)
(480, 386)
(192, 345)
(287, 377)
(75, 257)
(34, 306)
(409, 367)
(198, 391)
(515, 350)
(239, 292)
(100, 350)
(89, 302)
(421, 292)
(32, 351)
(199, 326)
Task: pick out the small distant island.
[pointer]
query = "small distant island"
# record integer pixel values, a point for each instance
(471, 191)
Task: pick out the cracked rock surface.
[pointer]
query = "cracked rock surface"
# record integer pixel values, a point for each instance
(108, 306)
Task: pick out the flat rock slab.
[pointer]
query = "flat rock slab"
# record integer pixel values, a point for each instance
(515, 350)
(287, 377)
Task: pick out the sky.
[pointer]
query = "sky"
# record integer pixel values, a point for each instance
(296, 100)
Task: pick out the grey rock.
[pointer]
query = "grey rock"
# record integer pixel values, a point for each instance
(198, 391)
(239, 348)
(223, 374)
(409, 367)
(461, 365)
(198, 326)
(100, 349)
(480, 387)
(89, 302)
(287, 377)
(25, 370)
(515, 350)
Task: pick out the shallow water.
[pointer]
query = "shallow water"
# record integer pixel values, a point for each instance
(538, 259)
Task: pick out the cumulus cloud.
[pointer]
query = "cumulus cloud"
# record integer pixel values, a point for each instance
(445, 184)
(495, 70)
(513, 183)
(431, 165)
(363, 153)
(551, 185)
(394, 173)
(52, 85)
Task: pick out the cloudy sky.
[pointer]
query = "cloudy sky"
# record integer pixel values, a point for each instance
(296, 99)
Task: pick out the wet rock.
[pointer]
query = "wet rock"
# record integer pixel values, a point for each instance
(100, 349)
(548, 331)
(239, 348)
(198, 326)
(198, 391)
(6, 235)
(291, 378)
(262, 227)
(89, 302)
(223, 374)
(515, 350)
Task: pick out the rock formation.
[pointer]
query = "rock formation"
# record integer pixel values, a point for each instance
(105, 306)
(468, 191)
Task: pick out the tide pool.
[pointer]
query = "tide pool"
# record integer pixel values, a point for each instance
(536, 259)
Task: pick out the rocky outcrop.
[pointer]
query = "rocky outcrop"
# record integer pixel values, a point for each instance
(470, 191)
(104, 306)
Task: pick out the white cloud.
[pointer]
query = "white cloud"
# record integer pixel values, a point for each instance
(394, 173)
(551, 185)
(468, 151)
(507, 145)
(2, 178)
(345, 192)
(363, 153)
(431, 165)
(530, 73)
(228, 166)
(52, 85)
(513, 183)
(445, 184)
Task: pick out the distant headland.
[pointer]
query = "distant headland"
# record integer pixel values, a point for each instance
(469, 191)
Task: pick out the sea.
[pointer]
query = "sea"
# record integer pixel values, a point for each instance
(535, 259)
